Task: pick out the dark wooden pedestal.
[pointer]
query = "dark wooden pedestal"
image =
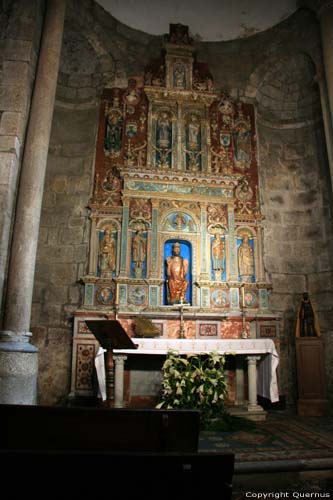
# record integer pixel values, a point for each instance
(311, 379)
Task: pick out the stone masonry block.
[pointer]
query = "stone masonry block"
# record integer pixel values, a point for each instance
(17, 50)
(81, 252)
(50, 314)
(59, 184)
(56, 294)
(57, 273)
(282, 283)
(80, 184)
(74, 293)
(76, 221)
(13, 98)
(16, 71)
(10, 144)
(9, 169)
(320, 282)
(71, 236)
(60, 253)
(12, 124)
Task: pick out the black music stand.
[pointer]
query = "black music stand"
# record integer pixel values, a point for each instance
(111, 335)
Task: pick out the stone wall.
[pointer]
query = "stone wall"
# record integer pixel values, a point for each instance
(275, 70)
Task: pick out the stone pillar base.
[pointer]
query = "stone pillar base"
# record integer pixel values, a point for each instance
(18, 371)
(255, 414)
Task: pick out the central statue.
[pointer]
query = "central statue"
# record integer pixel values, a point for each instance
(176, 270)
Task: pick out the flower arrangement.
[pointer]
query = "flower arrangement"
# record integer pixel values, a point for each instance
(194, 381)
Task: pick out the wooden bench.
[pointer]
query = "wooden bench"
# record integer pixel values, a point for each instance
(79, 451)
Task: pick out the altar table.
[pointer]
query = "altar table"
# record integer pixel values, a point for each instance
(260, 354)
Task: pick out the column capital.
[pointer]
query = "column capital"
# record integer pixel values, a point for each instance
(119, 358)
(252, 360)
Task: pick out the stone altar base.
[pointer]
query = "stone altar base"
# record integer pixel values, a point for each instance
(256, 414)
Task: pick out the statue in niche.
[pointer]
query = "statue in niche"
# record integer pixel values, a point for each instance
(245, 260)
(138, 252)
(193, 133)
(307, 324)
(242, 141)
(179, 80)
(107, 257)
(176, 270)
(113, 132)
(218, 254)
(164, 130)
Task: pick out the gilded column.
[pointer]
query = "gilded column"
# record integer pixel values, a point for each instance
(260, 265)
(154, 261)
(93, 248)
(180, 134)
(232, 247)
(18, 358)
(203, 243)
(124, 238)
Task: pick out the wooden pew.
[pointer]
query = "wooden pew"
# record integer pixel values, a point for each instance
(150, 453)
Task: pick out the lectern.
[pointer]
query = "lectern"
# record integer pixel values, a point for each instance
(111, 335)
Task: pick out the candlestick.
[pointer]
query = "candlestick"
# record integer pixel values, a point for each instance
(243, 296)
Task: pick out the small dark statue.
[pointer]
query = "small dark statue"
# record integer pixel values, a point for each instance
(307, 322)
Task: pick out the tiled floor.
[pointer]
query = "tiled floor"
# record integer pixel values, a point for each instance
(284, 457)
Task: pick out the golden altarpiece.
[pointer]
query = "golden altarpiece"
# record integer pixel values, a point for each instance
(176, 165)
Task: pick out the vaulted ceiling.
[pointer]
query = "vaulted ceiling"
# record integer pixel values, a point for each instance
(208, 20)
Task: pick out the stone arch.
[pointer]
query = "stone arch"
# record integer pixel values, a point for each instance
(285, 90)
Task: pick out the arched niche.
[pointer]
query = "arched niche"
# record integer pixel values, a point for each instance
(246, 243)
(186, 252)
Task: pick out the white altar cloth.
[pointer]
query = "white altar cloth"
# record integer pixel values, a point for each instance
(267, 385)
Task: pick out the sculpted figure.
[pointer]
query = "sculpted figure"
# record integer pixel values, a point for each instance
(176, 271)
(245, 260)
(164, 130)
(218, 253)
(138, 248)
(107, 260)
(307, 323)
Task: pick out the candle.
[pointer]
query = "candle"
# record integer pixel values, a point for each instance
(117, 293)
(243, 296)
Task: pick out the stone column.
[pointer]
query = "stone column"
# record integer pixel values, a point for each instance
(119, 360)
(325, 16)
(239, 400)
(252, 382)
(18, 358)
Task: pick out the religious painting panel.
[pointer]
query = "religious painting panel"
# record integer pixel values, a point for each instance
(219, 298)
(138, 295)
